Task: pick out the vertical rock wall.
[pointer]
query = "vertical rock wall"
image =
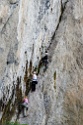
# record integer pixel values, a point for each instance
(27, 29)
(61, 85)
(68, 61)
(8, 54)
(8, 44)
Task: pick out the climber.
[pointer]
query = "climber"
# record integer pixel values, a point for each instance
(45, 60)
(25, 106)
(34, 81)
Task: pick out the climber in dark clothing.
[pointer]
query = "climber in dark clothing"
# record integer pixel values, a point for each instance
(45, 60)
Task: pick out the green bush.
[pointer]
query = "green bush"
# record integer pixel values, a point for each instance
(14, 123)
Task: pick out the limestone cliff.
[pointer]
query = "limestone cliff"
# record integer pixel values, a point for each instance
(27, 29)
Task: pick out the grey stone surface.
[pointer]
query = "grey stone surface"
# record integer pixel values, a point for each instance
(27, 29)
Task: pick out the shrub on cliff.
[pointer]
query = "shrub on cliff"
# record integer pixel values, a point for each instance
(14, 123)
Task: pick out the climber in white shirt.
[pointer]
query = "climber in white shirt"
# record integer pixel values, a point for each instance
(34, 81)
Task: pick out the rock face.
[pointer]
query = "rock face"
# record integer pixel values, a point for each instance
(8, 45)
(27, 29)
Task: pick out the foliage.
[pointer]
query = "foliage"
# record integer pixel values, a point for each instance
(13, 123)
